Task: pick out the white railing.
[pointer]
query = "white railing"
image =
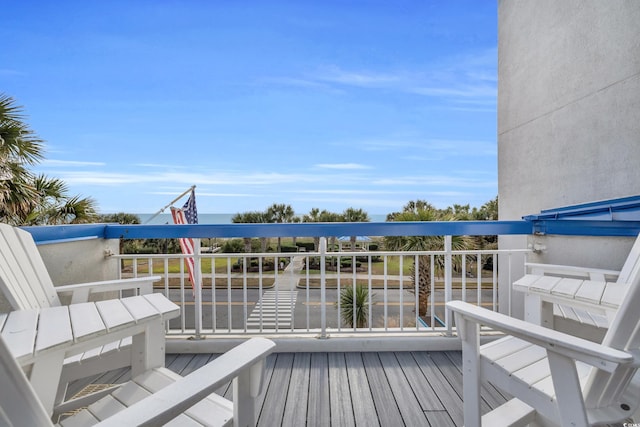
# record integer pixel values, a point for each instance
(299, 293)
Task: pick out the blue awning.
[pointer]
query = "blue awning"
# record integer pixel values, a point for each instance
(614, 217)
(623, 209)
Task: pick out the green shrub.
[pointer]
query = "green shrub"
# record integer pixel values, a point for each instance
(358, 302)
(233, 246)
(308, 246)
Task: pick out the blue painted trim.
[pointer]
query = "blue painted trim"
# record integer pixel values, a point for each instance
(622, 209)
(422, 322)
(54, 233)
(426, 325)
(587, 227)
(430, 228)
(75, 239)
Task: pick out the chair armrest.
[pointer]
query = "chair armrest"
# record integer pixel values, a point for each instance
(600, 356)
(80, 292)
(571, 270)
(171, 401)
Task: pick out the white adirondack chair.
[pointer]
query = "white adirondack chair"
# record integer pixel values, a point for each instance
(579, 305)
(26, 284)
(155, 397)
(555, 378)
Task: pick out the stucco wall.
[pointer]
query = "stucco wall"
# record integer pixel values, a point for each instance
(568, 115)
(80, 261)
(568, 102)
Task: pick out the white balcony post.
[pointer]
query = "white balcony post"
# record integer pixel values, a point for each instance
(448, 282)
(197, 288)
(323, 288)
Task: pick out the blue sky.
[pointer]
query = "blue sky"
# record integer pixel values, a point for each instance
(328, 104)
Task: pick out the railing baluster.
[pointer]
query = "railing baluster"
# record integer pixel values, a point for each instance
(214, 299)
(197, 288)
(183, 317)
(433, 290)
(275, 285)
(244, 264)
(323, 287)
(479, 278)
(384, 293)
(369, 294)
(401, 295)
(495, 281)
(416, 284)
(338, 261)
(354, 298)
(382, 311)
(308, 267)
(448, 272)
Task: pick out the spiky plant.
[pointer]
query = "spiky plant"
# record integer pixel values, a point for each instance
(355, 306)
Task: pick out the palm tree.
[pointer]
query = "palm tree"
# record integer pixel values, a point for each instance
(355, 215)
(55, 207)
(253, 217)
(316, 215)
(423, 271)
(24, 197)
(280, 213)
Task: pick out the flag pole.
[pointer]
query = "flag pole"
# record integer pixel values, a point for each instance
(193, 187)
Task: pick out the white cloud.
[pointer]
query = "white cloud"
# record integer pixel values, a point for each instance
(71, 163)
(436, 181)
(363, 78)
(467, 78)
(208, 194)
(342, 166)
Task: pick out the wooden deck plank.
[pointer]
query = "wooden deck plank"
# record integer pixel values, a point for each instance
(410, 408)
(278, 387)
(295, 412)
(439, 419)
(449, 398)
(318, 408)
(337, 389)
(453, 376)
(178, 364)
(386, 408)
(340, 396)
(364, 409)
(491, 395)
(419, 384)
(268, 372)
(197, 361)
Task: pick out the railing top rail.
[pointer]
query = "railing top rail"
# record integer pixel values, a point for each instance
(344, 254)
(44, 234)
(312, 229)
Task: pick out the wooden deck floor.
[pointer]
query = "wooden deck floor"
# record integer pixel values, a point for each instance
(352, 389)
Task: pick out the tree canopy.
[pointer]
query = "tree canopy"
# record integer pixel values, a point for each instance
(27, 198)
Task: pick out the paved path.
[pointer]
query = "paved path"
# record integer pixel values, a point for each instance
(275, 308)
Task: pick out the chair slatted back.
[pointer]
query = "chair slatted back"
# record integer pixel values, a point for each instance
(604, 389)
(631, 265)
(24, 279)
(19, 404)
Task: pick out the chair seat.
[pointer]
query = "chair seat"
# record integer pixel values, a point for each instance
(105, 350)
(515, 365)
(211, 411)
(583, 317)
(522, 369)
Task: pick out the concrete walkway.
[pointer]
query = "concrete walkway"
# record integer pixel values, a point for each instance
(275, 308)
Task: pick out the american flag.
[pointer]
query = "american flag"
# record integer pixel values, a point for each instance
(187, 215)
